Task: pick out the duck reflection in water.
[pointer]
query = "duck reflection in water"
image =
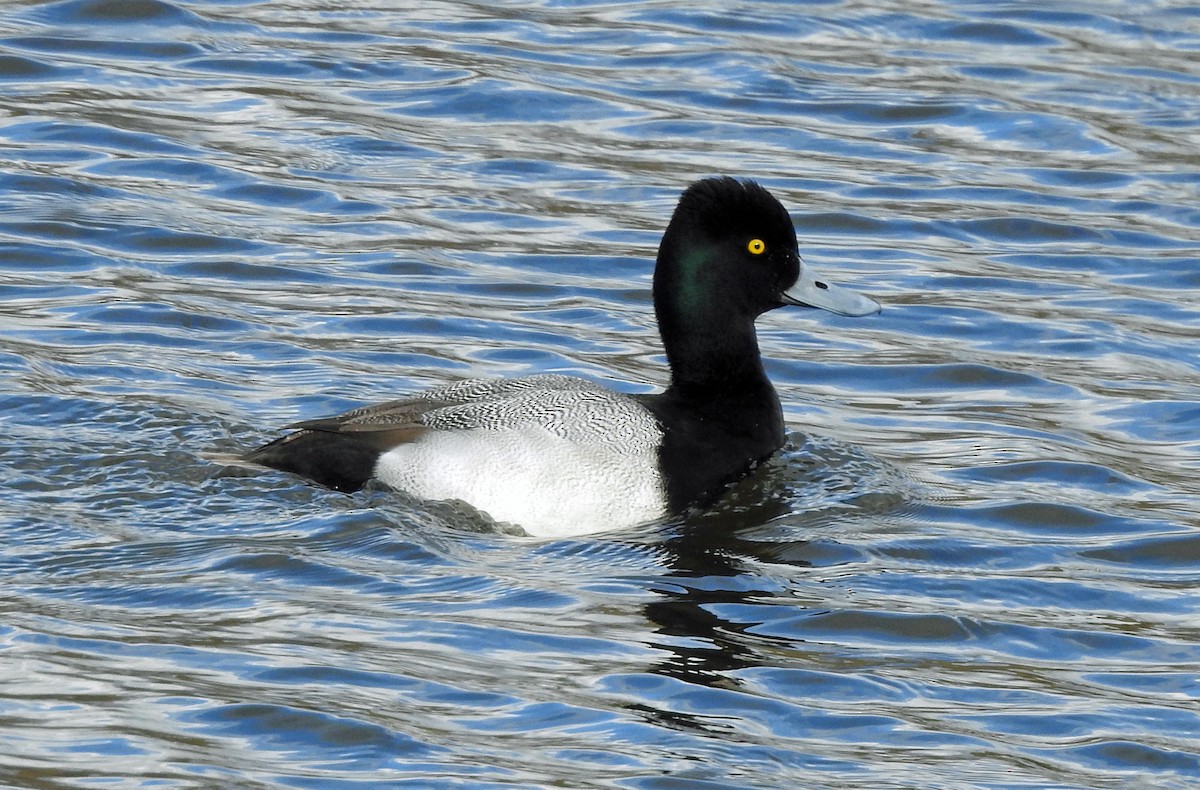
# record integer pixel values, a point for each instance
(729, 569)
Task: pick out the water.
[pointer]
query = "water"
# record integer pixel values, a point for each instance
(975, 565)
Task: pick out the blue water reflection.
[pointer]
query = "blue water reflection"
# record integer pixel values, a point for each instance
(974, 564)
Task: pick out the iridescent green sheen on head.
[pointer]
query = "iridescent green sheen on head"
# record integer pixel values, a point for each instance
(691, 291)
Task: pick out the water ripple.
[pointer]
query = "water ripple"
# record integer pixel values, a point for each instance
(973, 564)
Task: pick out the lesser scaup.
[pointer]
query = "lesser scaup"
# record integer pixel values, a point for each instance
(559, 455)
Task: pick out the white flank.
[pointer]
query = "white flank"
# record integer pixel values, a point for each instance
(527, 475)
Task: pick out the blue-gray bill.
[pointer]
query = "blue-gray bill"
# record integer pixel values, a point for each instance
(811, 290)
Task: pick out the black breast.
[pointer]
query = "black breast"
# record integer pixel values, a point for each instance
(712, 439)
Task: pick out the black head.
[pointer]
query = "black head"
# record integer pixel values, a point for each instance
(729, 252)
(728, 255)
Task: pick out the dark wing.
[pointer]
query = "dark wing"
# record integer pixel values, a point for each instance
(341, 451)
(472, 403)
(396, 415)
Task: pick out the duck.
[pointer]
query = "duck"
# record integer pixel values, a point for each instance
(562, 456)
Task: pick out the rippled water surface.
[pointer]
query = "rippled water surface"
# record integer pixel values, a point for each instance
(976, 564)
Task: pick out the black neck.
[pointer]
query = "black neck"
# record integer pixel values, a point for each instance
(720, 413)
(712, 353)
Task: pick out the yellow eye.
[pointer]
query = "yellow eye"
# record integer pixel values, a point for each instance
(756, 247)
